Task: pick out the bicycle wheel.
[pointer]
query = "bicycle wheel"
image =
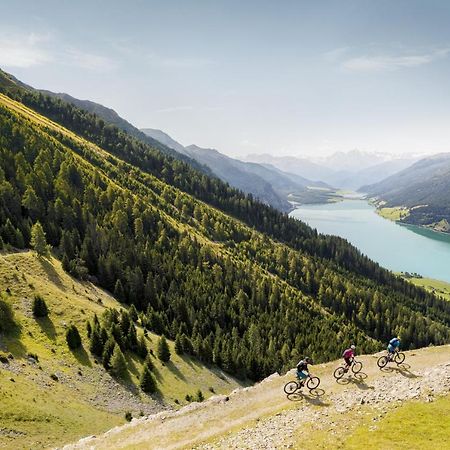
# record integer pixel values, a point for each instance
(399, 358)
(291, 387)
(356, 367)
(313, 383)
(382, 361)
(339, 373)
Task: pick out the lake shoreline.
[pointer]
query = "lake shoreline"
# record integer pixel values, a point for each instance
(405, 248)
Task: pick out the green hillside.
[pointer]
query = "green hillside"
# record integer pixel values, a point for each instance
(38, 411)
(193, 270)
(233, 283)
(422, 190)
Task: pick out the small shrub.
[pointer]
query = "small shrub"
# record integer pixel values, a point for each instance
(39, 307)
(128, 416)
(211, 389)
(54, 377)
(188, 398)
(73, 337)
(4, 358)
(199, 397)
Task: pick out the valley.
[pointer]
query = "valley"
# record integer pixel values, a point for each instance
(399, 247)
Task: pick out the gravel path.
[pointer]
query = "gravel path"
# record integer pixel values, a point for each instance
(261, 417)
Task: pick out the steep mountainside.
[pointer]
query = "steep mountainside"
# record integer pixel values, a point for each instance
(111, 117)
(424, 188)
(165, 238)
(264, 182)
(51, 395)
(241, 176)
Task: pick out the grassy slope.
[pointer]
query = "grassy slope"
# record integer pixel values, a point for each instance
(414, 425)
(37, 411)
(394, 214)
(319, 423)
(440, 288)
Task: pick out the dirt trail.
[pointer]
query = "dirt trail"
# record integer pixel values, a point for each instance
(261, 417)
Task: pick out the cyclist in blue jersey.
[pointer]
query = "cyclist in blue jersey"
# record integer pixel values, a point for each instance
(302, 369)
(394, 345)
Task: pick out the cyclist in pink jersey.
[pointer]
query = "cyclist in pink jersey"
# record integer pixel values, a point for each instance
(348, 356)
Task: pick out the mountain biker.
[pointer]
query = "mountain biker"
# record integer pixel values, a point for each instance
(394, 345)
(348, 356)
(302, 368)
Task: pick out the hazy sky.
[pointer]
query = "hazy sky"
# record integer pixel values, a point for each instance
(283, 77)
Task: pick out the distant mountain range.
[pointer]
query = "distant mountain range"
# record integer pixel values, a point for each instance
(424, 188)
(347, 170)
(269, 178)
(266, 182)
(269, 185)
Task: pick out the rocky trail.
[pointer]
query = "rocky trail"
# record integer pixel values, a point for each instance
(262, 417)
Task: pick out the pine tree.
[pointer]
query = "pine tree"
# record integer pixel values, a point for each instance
(133, 313)
(108, 351)
(38, 240)
(118, 363)
(73, 337)
(147, 380)
(199, 397)
(179, 345)
(39, 307)
(96, 344)
(163, 350)
(142, 350)
(119, 292)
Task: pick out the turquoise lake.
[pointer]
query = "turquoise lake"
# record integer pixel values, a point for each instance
(396, 247)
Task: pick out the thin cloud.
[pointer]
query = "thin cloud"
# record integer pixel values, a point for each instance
(34, 49)
(24, 51)
(178, 108)
(381, 63)
(89, 61)
(336, 54)
(185, 63)
(175, 109)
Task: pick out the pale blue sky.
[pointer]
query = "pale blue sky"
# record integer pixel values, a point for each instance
(287, 77)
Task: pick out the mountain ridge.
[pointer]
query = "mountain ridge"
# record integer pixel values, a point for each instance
(423, 188)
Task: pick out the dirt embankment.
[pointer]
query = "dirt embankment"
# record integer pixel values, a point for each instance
(262, 417)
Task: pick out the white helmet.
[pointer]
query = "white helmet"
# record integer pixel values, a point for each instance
(353, 347)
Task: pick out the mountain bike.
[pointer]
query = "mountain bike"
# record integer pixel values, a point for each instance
(397, 357)
(355, 366)
(293, 386)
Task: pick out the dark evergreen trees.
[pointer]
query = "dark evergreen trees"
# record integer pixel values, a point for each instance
(163, 350)
(118, 364)
(73, 337)
(39, 307)
(147, 380)
(235, 292)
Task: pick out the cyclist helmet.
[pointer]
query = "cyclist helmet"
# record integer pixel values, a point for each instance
(353, 347)
(308, 360)
(398, 337)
